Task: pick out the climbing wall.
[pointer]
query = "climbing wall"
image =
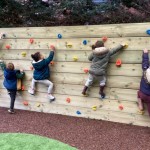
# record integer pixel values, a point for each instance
(70, 70)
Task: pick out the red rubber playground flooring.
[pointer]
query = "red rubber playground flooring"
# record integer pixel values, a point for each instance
(84, 134)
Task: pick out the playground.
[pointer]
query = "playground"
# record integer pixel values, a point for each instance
(84, 123)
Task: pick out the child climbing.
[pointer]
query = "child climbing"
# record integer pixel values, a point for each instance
(144, 92)
(10, 82)
(42, 72)
(100, 56)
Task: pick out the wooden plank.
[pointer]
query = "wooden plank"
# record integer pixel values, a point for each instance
(85, 112)
(113, 30)
(78, 67)
(134, 43)
(128, 57)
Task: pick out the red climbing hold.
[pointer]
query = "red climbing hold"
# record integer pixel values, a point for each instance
(68, 100)
(22, 88)
(104, 38)
(25, 103)
(118, 62)
(52, 47)
(52, 63)
(121, 107)
(86, 70)
(31, 41)
(8, 46)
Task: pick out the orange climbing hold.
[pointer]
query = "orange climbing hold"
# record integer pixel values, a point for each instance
(7, 46)
(68, 100)
(31, 41)
(104, 38)
(52, 46)
(86, 70)
(118, 62)
(121, 107)
(52, 63)
(25, 103)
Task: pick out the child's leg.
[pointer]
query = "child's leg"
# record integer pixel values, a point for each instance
(102, 80)
(140, 102)
(50, 87)
(88, 83)
(32, 89)
(12, 94)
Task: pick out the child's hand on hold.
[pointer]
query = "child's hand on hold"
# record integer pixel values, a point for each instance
(52, 48)
(145, 50)
(21, 70)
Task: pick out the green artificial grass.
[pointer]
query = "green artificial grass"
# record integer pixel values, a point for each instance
(18, 141)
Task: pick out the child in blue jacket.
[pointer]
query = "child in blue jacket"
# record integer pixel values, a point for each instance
(144, 92)
(10, 83)
(42, 72)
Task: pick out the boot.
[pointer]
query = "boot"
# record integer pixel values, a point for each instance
(84, 90)
(101, 92)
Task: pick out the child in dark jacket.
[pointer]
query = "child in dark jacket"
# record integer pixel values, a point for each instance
(144, 92)
(100, 57)
(10, 83)
(42, 72)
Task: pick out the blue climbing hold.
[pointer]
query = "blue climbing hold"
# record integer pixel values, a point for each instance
(148, 31)
(59, 36)
(84, 42)
(78, 112)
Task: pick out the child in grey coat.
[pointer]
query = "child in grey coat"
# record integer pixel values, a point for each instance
(100, 57)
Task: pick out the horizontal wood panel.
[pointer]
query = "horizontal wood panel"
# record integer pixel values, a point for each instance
(134, 43)
(128, 57)
(113, 30)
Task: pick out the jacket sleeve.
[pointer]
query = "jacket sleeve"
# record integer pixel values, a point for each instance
(91, 57)
(50, 57)
(145, 61)
(115, 50)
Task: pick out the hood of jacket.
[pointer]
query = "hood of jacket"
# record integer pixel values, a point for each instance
(39, 64)
(100, 51)
(10, 74)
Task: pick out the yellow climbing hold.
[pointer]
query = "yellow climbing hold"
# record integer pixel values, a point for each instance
(94, 108)
(75, 58)
(69, 45)
(23, 54)
(38, 105)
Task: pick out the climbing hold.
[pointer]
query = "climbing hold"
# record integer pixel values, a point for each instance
(69, 45)
(148, 31)
(118, 62)
(104, 38)
(38, 105)
(84, 42)
(120, 107)
(22, 88)
(52, 47)
(68, 100)
(75, 58)
(125, 45)
(3, 35)
(86, 70)
(23, 54)
(78, 112)
(52, 63)
(31, 41)
(7, 46)
(31, 67)
(59, 36)
(25, 103)
(141, 112)
(94, 108)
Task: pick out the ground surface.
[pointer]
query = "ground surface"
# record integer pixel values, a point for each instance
(81, 133)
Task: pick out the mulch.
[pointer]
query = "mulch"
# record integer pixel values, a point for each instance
(84, 134)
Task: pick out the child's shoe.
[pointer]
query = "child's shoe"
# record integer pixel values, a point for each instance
(31, 91)
(11, 111)
(102, 95)
(51, 97)
(84, 91)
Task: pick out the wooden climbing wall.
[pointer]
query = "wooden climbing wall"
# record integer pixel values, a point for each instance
(68, 75)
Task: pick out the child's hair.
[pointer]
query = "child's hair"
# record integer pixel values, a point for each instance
(36, 56)
(10, 66)
(98, 44)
